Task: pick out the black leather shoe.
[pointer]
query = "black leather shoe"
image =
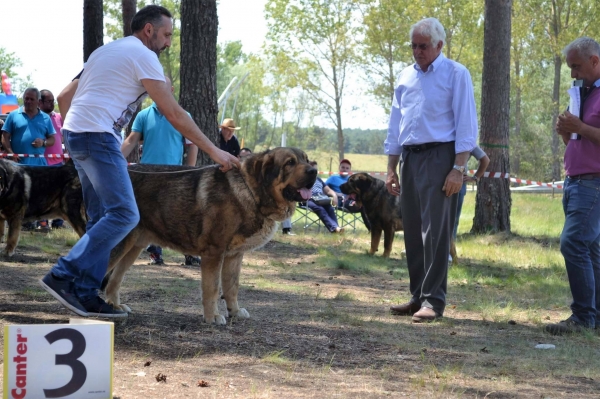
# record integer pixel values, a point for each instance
(564, 327)
(406, 309)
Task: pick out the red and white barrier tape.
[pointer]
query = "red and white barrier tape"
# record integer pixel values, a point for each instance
(495, 175)
(499, 175)
(10, 155)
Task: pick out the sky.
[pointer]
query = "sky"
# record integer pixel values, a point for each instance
(47, 36)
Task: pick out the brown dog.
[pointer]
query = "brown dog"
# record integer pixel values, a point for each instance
(38, 192)
(381, 208)
(219, 216)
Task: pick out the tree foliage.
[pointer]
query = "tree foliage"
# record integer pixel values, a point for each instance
(314, 45)
(169, 58)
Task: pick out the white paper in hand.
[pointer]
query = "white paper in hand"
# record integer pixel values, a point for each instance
(574, 105)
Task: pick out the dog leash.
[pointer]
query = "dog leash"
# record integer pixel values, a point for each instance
(165, 173)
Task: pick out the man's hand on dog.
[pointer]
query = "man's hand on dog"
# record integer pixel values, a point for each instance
(393, 184)
(225, 159)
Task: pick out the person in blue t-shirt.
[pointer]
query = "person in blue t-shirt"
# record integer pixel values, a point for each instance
(27, 130)
(163, 145)
(335, 181)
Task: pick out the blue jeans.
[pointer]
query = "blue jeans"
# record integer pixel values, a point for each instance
(580, 246)
(326, 214)
(110, 206)
(461, 199)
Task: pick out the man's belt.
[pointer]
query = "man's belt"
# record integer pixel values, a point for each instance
(585, 176)
(421, 147)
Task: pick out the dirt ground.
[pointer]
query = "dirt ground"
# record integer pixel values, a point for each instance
(314, 332)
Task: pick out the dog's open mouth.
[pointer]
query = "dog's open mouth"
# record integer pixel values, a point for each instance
(297, 194)
(352, 196)
(301, 194)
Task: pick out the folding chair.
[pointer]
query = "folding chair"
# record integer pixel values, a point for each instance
(306, 217)
(347, 219)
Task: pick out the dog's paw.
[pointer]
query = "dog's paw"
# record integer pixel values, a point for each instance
(217, 320)
(119, 306)
(241, 313)
(8, 254)
(123, 307)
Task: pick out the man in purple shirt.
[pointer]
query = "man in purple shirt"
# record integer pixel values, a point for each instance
(47, 105)
(433, 125)
(580, 238)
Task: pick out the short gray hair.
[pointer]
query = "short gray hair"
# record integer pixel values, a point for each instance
(585, 47)
(429, 27)
(34, 89)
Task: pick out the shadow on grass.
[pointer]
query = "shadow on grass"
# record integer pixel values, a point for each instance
(354, 336)
(543, 241)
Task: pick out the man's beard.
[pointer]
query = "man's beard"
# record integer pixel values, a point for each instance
(152, 47)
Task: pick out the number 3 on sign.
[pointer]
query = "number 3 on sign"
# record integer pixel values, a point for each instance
(72, 361)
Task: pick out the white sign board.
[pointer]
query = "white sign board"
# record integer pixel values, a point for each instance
(73, 361)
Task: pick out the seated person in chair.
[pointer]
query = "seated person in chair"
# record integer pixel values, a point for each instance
(335, 181)
(325, 212)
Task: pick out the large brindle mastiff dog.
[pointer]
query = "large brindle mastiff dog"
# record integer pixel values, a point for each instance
(38, 192)
(219, 216)
(381, 208)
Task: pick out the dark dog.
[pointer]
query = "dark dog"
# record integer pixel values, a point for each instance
(38, 192)
(202, 211)
(381, 208)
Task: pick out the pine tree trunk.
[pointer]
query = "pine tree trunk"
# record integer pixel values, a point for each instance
(199, 27)
(93, 27)
(129, 9)
(556, 155)
(493, 202)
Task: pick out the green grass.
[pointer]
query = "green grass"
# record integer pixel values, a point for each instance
(504, 288)
(276, 358)
(518, 277)
(360, 162)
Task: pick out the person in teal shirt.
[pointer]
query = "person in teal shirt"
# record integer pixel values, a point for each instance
(163, 145)
(27, 130)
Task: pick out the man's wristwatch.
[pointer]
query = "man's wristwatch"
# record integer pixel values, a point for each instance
(44, 143)
(476, 178)
(460, 168)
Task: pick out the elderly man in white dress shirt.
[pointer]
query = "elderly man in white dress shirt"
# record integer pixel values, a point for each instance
(433, 126)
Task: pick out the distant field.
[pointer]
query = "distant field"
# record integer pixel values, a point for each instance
(360, 162)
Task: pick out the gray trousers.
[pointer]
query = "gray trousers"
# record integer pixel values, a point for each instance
(428, 217)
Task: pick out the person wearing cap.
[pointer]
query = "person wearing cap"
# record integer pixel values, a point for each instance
(335, 181)
(228, 140)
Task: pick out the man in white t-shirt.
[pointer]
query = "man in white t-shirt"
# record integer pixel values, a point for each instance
(116, 79)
